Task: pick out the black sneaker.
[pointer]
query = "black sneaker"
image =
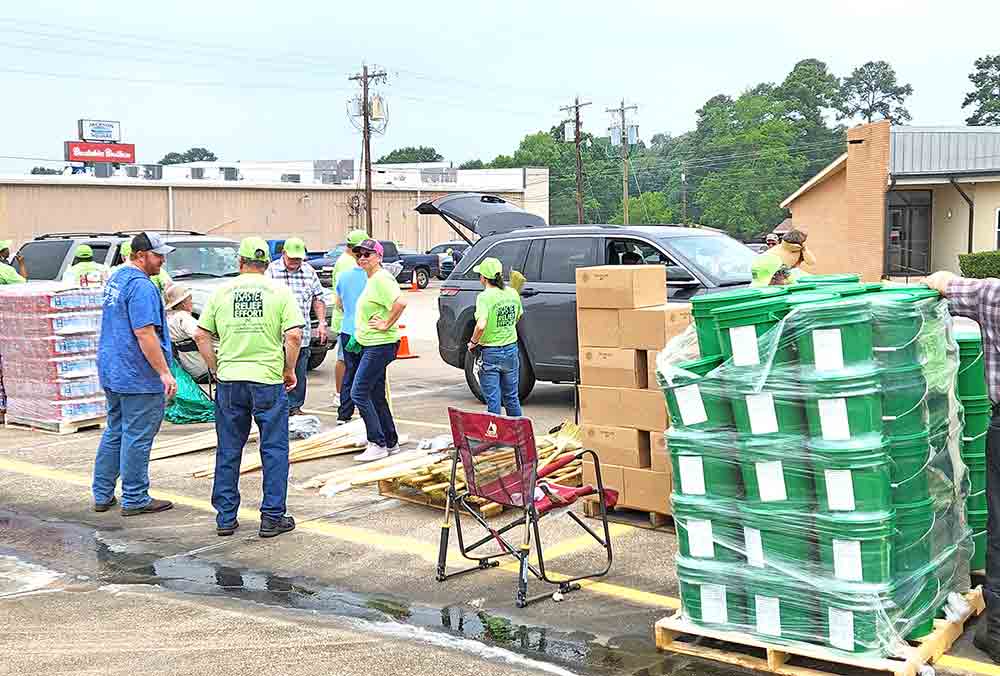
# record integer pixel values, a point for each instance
(153, 507)
(98, 507)
(228, 529)
(271, 527)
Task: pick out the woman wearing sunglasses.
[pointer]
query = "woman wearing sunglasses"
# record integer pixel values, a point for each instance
(378, 309)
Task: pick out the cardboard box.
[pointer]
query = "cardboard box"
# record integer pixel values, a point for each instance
(659, 454)
(623, 407)
(598, 328)
(651, 370)
(611, 475)
(617, 445)
(650, 328)
(620, 286)
(646, 490)
(613, 367)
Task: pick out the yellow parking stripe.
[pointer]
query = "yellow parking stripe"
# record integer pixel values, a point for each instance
(965, 664)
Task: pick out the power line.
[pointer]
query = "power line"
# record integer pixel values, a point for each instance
(575, 107)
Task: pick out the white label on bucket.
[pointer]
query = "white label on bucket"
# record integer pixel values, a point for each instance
(692, 474)
(841, 629)
(771, 481)
(700, 540)
(763, 417)
(691, 405)
(833, 419)
(847, 560)
(744, 341)
(713, 604)
(829, 350)
(754, 547)
(768, 610)
(839, 490)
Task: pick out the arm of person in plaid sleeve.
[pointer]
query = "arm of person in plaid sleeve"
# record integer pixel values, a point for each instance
(319, 306)
(975, 299)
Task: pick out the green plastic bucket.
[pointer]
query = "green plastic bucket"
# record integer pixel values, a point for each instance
(913, 541)
(777, 539)
(898, 319)
(974, 447)
(777, 473)
(708, 528)
(971, 368)
(904, 400)
(910, 455)
(799, 287)
(977, 522)
(839, 278)
(741, 326)
(696, 402)
(771, 411)
(778, 611)
(856, 546)
(834, 334)
(852, 476)
(703, 306)
(977, 415)
(915, 598)
(701, 463)
(857, 618)
(712, 593)
(976, 501)
(853, 289)
(843, 404)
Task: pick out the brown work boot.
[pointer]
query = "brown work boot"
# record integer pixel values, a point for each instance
(151, 508)
(103, 507)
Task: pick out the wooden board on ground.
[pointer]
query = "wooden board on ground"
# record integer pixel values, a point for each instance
(628, 516)
(58, 428)
(749, 652)
(399, 491)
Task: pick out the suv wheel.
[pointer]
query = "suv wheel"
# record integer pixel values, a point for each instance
(525, 379)
(423, 278)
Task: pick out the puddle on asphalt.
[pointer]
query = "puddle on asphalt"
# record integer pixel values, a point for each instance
(119, 562)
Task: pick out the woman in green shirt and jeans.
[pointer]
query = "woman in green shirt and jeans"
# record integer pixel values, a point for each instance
(498, 307)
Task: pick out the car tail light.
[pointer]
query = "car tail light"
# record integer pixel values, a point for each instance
(449, 292)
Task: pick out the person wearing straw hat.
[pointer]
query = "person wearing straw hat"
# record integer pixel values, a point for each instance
(790, 253)
(498, 307)
(183, 327)
(8, 275)
(84, 269)
(345, 263)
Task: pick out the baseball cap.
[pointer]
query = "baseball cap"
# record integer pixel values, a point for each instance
(175, 295)
(295, 248)
(255, 249)
(6, 244)
(125, 248)
(489, 268)
(84, 251)
(371, 245)
(150, 241)
(356, 237)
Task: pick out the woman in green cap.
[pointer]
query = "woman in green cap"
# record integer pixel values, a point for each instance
(498, 307)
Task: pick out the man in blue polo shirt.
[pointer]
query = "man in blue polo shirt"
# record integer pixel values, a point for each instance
(133, 362)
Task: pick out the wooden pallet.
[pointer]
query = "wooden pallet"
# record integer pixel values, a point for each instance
(745, 650)
(628, 516)
(399, 491)
(57, 428)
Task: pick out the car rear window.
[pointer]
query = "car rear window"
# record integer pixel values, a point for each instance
(389, 249)
(563, 255)
(44, 259)
(511, 254)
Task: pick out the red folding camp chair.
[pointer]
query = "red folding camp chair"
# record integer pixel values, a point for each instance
(500, 462)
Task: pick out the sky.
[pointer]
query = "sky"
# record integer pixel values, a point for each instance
(262, 80)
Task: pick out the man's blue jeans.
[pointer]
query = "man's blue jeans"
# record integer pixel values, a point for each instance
(236, 402)
(297, 397)
(368, 393)
(351, 361)
(498, 379)
(133, 421)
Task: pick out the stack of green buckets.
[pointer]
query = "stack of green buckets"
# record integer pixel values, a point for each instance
(813, 501)
(976, 402)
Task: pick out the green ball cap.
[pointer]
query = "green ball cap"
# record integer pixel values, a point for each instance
(84, 251)
(489, 268)
(126, 249)
(6, 244)
(255, 249)
(295, 248)
(356, 237)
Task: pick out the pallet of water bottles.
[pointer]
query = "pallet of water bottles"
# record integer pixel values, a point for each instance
(64, 389)
(48, 297)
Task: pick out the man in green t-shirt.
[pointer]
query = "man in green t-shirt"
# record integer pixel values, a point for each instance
(259, 328)
(8, 275)
(344, 263)
(84, 270)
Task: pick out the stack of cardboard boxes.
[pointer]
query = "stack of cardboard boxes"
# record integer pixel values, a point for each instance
(622, 323)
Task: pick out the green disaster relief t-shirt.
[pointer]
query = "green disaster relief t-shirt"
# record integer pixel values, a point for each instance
(250, 315)
(501, 308)
(345, 262)
(375, 302)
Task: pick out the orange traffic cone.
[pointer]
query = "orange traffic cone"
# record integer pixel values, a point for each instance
(403, 351)
(413, 284)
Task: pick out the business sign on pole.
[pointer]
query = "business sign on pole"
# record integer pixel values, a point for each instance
(102, 131)
(116, 153)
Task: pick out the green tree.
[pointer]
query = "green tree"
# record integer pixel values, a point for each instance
(411, 154)
(985, 95)
(872, 91)
(45, 171)
(472, 164)
(810, 91)
(191, 155)
(650, 208)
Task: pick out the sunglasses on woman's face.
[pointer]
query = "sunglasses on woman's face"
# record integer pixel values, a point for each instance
(363, 253)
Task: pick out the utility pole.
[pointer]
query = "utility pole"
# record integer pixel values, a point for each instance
(684, 194)
(366, 136)
(621, 110)
(579, 160)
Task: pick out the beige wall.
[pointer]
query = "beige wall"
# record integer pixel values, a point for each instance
(949, 236)
(822, 212)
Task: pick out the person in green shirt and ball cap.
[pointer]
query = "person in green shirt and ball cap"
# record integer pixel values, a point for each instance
(8, 275)
(344, 263)
(498, 307)
(84, 270)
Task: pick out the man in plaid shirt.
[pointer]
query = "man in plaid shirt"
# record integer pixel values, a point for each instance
(979, 300)
(301, 279)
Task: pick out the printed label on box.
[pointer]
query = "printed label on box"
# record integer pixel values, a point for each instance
(771, 481)
(691, 405)
(833, 419)
(847, 560)
(713, 604)
(700, 540)
(763, 417)
(692, 474)
(744, 342)
(768, 615)
(754, 547)
(841, 629)
(840, 490)
(829, 349)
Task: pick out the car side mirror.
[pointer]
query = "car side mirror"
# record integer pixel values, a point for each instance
(678, 276)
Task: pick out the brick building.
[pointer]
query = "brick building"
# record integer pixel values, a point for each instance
(903, 201)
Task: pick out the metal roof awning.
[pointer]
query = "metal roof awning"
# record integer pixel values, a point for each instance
(482, 214)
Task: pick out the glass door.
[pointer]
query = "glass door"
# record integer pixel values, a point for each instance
(909, 232)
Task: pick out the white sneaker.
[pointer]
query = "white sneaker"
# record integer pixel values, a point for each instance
(336, 399)
(395, 449)
(373, 452)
